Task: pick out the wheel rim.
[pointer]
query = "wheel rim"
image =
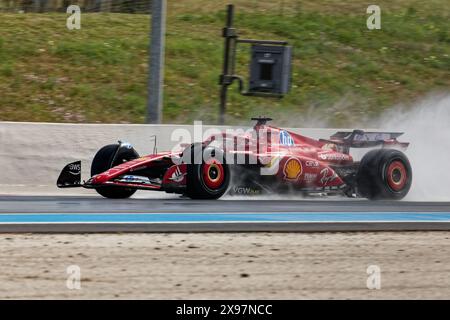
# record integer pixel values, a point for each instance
(213, 174)
(397, 175)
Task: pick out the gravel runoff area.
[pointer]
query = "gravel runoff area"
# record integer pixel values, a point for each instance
(225, 266)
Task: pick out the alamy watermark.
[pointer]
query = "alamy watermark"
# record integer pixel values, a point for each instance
(259, 145)
(374, 279)
(374, 20)
(73, 281)
(74, 20)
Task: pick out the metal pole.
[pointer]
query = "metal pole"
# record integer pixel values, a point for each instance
(228, 33)
(156, 63)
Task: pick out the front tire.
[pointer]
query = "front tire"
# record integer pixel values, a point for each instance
(384, 174)
(210, 178)
(104, 160)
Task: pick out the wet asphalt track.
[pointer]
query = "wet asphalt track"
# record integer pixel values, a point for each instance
(94, 214)
(96, 204)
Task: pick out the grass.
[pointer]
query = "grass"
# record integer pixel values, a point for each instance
(343, 73)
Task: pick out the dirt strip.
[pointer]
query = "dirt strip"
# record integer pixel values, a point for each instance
(226, 266)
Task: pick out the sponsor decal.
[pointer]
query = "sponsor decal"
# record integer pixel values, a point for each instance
(177, 175)
(333, 156)
(134, 179)
(75, 169)
(286, 139)
(292, 169)
(245, 190)
(312, 163)
(309, 177)
(327, 176)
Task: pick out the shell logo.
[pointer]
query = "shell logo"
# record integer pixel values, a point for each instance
(293, 169)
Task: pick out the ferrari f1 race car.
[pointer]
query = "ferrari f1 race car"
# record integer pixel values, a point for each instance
(264, 159)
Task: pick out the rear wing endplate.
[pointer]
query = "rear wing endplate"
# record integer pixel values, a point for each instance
(363, 139)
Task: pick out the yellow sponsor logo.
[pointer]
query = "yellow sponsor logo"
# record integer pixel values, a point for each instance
(293, 169)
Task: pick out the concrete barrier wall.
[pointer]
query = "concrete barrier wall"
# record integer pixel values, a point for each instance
(33, 154)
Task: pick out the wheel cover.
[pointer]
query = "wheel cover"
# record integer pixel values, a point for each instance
(397, 175)
(213, 174)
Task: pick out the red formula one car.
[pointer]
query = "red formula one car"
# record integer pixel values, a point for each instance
(264, 159)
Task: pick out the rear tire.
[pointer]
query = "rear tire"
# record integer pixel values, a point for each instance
(384, 174)
(103, 161)
(211, 178)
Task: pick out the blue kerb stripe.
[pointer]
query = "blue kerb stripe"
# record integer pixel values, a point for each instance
(226, 217)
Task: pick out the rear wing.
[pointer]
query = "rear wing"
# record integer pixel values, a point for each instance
(363, 139)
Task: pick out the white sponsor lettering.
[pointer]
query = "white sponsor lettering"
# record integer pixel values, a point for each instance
(312, 163)
(309, 177)
(333, 156)
(74, 169)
